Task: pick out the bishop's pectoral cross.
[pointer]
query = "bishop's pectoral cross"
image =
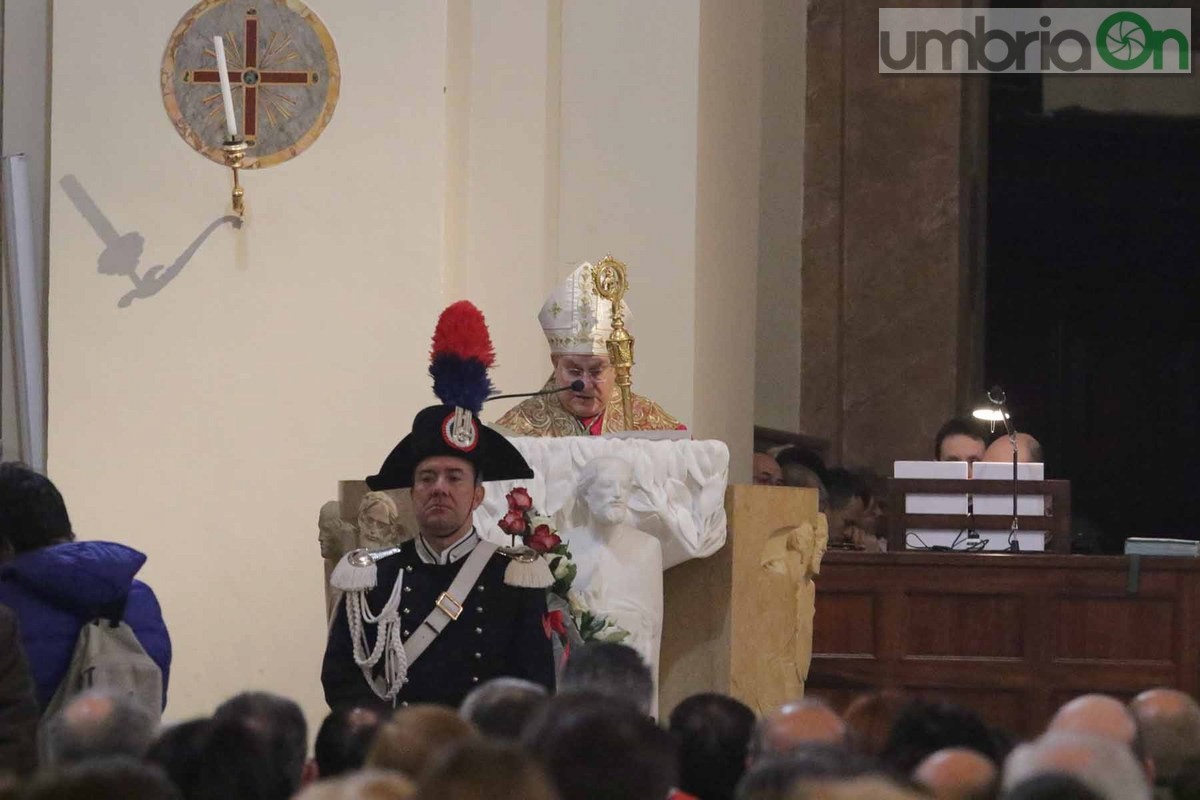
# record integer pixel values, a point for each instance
(255, 74)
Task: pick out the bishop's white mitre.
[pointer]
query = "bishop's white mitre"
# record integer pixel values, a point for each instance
(575, 319)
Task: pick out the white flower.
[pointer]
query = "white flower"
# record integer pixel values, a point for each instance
(576, 603)
(562, 565)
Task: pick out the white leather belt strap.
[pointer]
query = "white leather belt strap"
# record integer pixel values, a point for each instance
(450, 602)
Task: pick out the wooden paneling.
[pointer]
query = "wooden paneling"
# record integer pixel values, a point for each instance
(1009, 635)
(965, 625)
(845, 624)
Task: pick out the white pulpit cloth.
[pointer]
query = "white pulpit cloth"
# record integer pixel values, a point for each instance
(678, 492)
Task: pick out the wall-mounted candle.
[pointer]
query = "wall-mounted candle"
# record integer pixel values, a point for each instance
(226, 92)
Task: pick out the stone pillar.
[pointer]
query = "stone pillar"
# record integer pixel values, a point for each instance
(891, 215)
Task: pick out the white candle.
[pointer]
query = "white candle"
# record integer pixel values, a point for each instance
(226, 92)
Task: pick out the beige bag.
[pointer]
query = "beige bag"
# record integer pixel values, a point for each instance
(109, 656)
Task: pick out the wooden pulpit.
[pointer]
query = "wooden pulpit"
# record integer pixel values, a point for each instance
(740, 621)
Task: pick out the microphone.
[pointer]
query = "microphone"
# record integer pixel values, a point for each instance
(574, 386)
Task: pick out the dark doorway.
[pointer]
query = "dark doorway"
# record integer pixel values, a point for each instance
(1093, 303)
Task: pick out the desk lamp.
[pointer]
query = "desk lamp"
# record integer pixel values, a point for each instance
(997, 411)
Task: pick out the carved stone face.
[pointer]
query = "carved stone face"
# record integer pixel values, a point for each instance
(607, 496)
(331, 531)
(377, 521)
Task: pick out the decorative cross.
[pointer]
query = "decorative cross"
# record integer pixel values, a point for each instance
(255, 74)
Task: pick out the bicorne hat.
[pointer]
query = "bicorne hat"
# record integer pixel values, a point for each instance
(459, 361)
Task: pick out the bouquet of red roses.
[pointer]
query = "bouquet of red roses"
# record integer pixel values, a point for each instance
(568, 617)
(537, 533)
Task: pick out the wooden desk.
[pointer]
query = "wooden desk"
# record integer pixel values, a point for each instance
(1011, 636)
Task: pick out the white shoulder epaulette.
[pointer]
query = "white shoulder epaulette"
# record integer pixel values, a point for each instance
(527, 568)
(355, 572)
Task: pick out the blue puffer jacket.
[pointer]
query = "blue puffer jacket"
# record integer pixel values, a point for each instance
(55, 590)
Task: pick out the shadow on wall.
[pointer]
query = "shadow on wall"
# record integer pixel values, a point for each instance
(123, 252)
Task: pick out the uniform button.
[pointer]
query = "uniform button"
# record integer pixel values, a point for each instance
(479, 587)
(479, 655)
(479, 630)
(407, 611)
(478, 609)
(408, 588)
(405, 634)
(408, 568)
(474, 679)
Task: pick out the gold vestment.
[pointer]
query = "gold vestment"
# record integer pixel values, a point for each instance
(545, 416)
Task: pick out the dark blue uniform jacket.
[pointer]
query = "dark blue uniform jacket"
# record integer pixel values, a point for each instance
(500, 633)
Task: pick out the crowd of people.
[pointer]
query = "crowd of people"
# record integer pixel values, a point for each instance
(593, 739)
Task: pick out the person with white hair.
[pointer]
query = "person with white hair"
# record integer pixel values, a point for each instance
(1105, 765)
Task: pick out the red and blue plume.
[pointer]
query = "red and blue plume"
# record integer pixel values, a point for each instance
(461, 355)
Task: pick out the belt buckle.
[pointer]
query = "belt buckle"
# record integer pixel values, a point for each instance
(455, 608)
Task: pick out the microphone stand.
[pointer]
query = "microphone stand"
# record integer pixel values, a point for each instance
(573, 386)
(997, 398)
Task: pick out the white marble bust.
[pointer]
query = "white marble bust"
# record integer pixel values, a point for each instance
(620, 568)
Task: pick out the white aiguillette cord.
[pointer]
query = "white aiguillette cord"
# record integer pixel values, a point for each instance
(399, 654)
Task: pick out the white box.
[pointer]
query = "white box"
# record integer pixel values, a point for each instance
(1030, 541)
(933, 503)
(1028, 505)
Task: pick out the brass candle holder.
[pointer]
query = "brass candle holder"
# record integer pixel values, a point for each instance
(235, 154)
(611, 283)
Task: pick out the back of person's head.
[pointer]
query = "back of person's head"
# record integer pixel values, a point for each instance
(279, 724)
(97, 723)
(178, 750)
(925, 726)
(1100, 715)
(801, 457)
(111, 778)
(502, 707)
(958, 774)
(415, 736)
(614, 670)
(209, 759)
(866, 788)
(956, 426)
(344, 739)
(595, 749)
(793, 724)
(712, 732)
(1169, 723)
(843, 486)
(367, 784)
(478, 769)
(1051, 786)
(1105, 765)
(32, 512)
(774, 775)
(870, 718)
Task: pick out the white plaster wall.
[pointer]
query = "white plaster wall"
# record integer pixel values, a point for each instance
(207, 424)
(630, 86)
(510, 183)
(726, 226)
(781, 196)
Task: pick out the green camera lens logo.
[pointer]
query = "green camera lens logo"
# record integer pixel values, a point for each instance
(1126, 40)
